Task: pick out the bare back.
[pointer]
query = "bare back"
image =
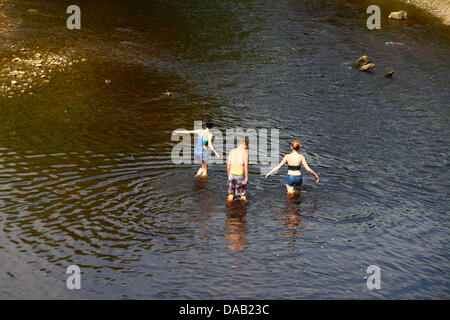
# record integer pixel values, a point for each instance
(294, 159)
(237, 159)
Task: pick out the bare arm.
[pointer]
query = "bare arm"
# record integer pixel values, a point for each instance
(185, 131)
(305, 164)
(247, 155)
(229, 163)
(277, 167)
(211, 145)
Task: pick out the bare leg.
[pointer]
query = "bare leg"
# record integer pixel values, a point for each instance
(290, 190)
(203, 171)
(199, 172)
(243, 198)
(204, 168)
(230, 197)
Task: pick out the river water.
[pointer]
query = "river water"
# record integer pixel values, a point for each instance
(86, 176)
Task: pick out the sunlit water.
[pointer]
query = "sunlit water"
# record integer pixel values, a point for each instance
(86, 176)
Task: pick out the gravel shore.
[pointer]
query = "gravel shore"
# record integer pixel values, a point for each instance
(439, 8)
(24, 68)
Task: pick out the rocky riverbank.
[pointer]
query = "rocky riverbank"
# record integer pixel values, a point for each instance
(22, 69)
(6, 24)
(28, 69)
(439, 8)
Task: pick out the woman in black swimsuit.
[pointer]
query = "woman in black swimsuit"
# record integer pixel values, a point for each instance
(294, 160)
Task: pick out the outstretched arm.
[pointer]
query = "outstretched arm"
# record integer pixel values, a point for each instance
(305, 164)
(277, 167)
(185, 131)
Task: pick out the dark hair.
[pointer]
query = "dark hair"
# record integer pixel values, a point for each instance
(244, 141)
(209, 124)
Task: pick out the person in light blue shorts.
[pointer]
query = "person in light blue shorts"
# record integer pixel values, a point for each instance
(294, 161)
(203, 147)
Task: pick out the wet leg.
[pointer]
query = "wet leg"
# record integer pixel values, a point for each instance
(290, 190)
(199, 172)
(204, 169)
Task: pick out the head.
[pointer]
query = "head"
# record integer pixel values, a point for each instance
(295, 145)
(243, 142)
(209, 124)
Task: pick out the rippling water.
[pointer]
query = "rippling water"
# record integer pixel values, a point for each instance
(86, 176)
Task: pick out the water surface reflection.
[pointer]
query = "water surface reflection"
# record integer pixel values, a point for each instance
(237, 226)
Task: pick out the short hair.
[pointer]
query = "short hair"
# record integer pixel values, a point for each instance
(296, 145)
(209, 124)
(244, 141)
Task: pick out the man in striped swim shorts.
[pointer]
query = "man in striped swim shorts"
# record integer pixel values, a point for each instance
(237, 171)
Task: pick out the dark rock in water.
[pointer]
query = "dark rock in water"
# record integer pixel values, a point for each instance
(389, 74)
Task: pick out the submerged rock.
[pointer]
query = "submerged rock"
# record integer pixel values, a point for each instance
(19, 74)
(398, 15)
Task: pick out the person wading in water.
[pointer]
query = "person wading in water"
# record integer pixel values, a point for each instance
(203, 146)
(294, 161)
(237, 171)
